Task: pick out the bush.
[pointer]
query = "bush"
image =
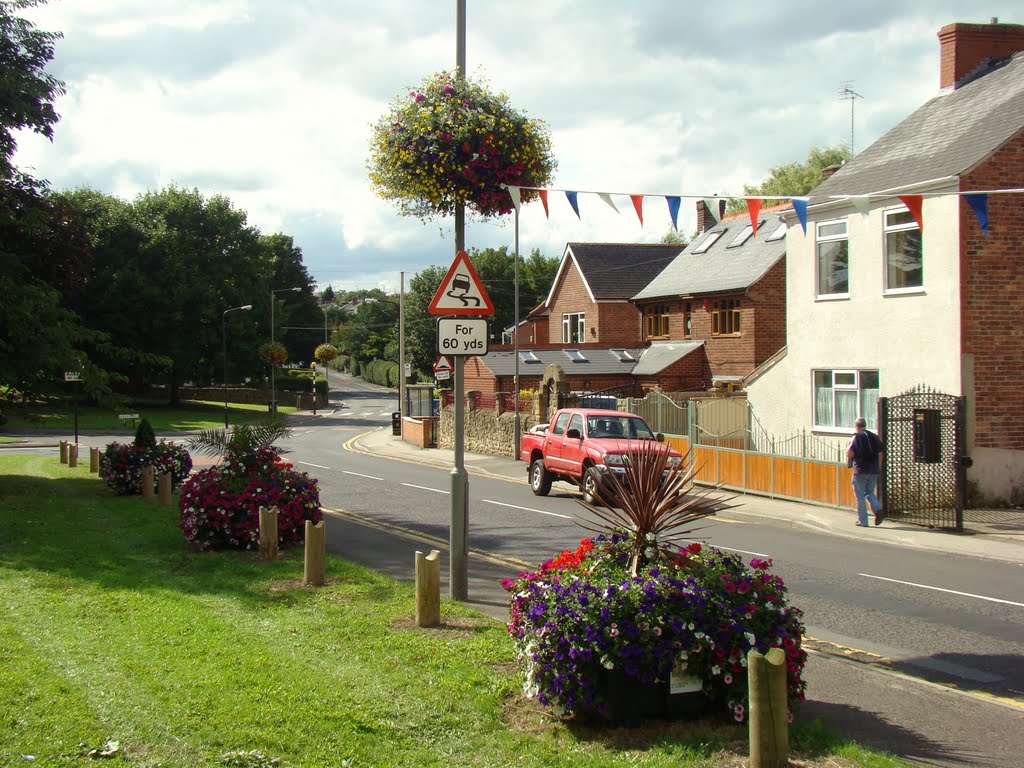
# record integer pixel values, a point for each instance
(144, 437)
(121, 464)
(220, 506)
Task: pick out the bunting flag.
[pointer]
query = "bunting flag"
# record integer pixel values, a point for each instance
(979, 204)
(638, 206)
(862, 204)
(608, 199)
(673, 210)
(754, 209)
(712, 206)
(800, 206)
(543, 193)
(571, 197)
(913, 203)
(513, 192)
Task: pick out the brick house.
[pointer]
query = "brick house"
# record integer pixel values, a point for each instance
(877, 305)
(718, 311)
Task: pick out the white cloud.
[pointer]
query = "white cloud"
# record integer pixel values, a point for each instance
(271, 104)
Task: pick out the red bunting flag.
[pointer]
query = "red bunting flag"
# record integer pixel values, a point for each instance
(754, 208)
(543, 193)
(638, 204)
(913, 203)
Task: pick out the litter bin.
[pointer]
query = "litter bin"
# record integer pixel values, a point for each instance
(272, 407)
(396, 422)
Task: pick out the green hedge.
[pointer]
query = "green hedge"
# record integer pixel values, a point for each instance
(382, 372)
(299, 383)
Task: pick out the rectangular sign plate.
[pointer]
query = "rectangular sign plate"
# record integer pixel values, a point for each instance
(462, 336)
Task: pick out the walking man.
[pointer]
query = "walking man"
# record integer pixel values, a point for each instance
(863, 455)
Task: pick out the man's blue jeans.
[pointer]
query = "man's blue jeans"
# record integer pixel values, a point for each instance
(864, 488)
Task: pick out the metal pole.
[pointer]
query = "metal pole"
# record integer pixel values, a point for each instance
(458, 575)
(224, 350)
(401, 344)
(458, 544)
(273, 365)
(515, 330)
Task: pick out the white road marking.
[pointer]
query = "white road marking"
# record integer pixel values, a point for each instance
(307, 464)
(360, 474)
(940, 589)
(729, 549)
(527, 509)
(424, 488)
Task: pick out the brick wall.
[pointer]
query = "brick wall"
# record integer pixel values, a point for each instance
(767, 317)
(962, 47)
(992, 299)
(610, 323)
(692, 372)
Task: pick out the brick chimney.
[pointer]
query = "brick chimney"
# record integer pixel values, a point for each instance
(705, 220)
(828, 170)
(963, 47)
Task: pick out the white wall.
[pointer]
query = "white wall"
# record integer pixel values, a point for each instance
(909, 338)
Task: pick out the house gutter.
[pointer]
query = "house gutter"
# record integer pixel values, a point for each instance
(838, 201)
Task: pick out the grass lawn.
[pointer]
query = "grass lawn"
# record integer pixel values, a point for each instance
(191, 414)
(112, 629)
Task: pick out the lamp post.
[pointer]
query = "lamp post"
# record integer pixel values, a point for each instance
(273, 365)
(224, 348)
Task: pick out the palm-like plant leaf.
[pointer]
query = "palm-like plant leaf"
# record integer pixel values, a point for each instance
(655, 502)
(244, 439)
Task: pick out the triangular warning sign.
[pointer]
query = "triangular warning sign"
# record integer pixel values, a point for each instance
(461, 292)
(442, 364)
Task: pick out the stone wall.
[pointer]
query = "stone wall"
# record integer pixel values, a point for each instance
(486, 431)
(248, 395)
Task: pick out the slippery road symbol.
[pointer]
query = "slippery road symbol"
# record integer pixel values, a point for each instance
(460, 287)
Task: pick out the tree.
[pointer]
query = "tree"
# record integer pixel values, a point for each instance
(327, 295)
(372, 332)
(27, 92)
(794, 179)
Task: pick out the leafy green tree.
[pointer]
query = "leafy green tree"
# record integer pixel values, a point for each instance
(793, 179)
(27, 92)
(327, 295)
(372, 331)
(420, 325)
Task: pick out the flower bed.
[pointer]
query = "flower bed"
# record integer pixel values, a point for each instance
(220, 505)
(121, 464)
(687, 611)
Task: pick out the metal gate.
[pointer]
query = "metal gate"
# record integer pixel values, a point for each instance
(925, 468)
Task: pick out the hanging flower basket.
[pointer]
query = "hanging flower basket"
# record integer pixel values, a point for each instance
(454, 142)
(273, 352)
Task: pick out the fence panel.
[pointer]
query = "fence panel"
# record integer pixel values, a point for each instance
(706, 461)
(759, 473)
(822, 482)
(789, 477)
(730, 468)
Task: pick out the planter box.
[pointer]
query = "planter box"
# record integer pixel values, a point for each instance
(630, 701)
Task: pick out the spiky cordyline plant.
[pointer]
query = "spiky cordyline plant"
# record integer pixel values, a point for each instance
(655, 501)
(241, 444)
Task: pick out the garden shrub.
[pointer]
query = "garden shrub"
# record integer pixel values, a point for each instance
(121, 464)
(144, 436)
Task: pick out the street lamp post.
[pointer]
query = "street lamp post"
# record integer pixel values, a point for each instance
(273, 365)
(224, 348)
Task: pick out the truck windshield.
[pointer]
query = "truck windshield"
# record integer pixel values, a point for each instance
(616, 427)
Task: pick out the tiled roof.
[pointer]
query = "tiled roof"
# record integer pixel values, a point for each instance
(661, 354)
(947, 136)
(598, 362)
(722, 267)
(618, 270)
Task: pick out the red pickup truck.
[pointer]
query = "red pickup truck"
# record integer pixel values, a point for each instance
(581, 443)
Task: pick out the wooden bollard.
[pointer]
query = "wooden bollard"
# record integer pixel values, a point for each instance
(268, 533)
(769, 726)
(163, 490)
(73, 455)
(94, 460)
(63, 451)
(428, 589)
(313, 574)
(146, 479)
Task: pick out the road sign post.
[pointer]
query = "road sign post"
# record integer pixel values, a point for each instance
(462, 295)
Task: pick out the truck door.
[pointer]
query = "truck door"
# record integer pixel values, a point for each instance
(571, 448)
(553, 442)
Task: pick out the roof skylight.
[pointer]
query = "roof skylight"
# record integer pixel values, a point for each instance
(778, 234)
(708, 241)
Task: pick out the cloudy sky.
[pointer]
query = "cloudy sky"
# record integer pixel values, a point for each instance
(271, 103)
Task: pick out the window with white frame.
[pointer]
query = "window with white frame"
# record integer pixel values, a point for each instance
(840, 396)
(833, 258)
(573, 327)
(903, 255)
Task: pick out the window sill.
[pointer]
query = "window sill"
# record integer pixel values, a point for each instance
(820, 431)
(904, 292)
(726, 335)
(833, 297)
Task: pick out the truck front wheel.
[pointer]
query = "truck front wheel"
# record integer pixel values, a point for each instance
(590, 486)
(540, 480)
